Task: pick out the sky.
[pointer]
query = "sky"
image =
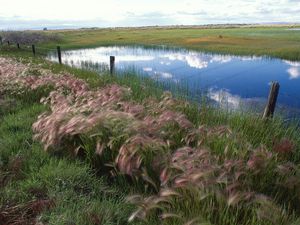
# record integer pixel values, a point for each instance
(36, 14)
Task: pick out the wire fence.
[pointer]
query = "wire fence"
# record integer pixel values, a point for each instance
(35, 49)
(292, 96)
(181, 88)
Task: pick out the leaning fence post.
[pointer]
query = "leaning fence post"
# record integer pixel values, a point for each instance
(271, 104)
(112, 65)
(33, 49)
(59, 54)
(18, 45)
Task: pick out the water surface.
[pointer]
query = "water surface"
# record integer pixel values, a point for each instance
(230, 81)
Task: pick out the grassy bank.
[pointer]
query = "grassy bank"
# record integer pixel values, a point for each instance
(109, 137)
(271, 41)
(36, 187)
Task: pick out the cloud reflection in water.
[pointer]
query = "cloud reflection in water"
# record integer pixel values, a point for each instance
(241, 75)
(294, 70)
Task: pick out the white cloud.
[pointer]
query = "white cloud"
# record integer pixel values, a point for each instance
(198, 60)
(144, 12)
(147, 69)
(163, 74)
(224, 98)
(221, 59)
(251, 58)
(291, 63)
(193, 59)
(294, 72)
(101, 55)
(165, 63)
(166, 75)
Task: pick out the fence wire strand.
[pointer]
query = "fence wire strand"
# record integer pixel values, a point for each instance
(186, 79)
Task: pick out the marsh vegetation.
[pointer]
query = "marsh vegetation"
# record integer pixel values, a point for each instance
(79, 148)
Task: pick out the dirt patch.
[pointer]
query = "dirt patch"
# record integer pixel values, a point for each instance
(6, 105)
(220, 40)
(12, 171)
(39, 193)
(95, 219)
(3, 178)
(24, 214)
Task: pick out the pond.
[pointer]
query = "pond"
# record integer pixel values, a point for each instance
(233, 82)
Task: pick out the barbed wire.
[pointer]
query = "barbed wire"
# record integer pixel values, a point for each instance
(50, 49)
(233, 76)
(186, 78)
(206, 70)
(24, 46)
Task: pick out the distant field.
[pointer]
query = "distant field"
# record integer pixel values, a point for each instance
(273, 41)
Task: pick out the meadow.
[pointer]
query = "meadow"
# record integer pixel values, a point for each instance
(272, 41)
(79, 148)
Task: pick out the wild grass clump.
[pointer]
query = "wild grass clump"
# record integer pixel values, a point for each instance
(195, 165)
(127, 136)
(37, 188)
(154, 142)
(200, 187)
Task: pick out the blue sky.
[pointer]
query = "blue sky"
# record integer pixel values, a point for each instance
(20, 14)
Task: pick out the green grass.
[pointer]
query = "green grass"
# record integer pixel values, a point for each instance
(256, 130)
(80, 195)
(270, 40)
(27, 173)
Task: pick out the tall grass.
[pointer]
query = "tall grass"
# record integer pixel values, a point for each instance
(36, 187)
(193, 163)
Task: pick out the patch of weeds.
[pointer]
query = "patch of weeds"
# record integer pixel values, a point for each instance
(33, 72)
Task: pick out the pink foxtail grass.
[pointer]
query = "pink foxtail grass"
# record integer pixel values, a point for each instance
(203, 167)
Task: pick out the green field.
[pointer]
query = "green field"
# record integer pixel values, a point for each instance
(119, 150)
(271, 41)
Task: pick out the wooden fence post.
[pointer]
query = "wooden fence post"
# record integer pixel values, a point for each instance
(270, 107)
(112, 65)
(8, 43)
(33, 49)
(59, 54)
(18, 45)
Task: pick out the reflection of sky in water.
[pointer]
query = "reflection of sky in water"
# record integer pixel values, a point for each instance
(225, 78)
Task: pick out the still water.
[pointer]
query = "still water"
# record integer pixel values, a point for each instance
(230, 81)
